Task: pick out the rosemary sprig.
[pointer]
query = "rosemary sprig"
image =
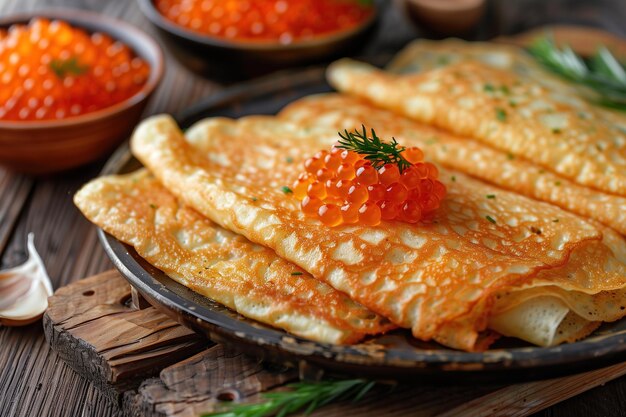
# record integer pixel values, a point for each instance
(311, 395)
(374, 150)
(602, 73)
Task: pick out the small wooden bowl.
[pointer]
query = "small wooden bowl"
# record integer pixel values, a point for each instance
(41, 147)
(231, 60)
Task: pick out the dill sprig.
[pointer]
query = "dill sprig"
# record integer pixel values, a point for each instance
(311, 395)
(602, 73)
(374, 150)
(65, 67)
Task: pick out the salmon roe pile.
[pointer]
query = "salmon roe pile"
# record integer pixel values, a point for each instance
(51, 70)
(283, 21)
(341, 187)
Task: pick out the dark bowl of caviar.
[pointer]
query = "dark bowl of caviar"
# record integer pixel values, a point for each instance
(74, 85)
(237, 39)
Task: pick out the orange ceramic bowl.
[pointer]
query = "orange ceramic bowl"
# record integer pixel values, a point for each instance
(40, 147)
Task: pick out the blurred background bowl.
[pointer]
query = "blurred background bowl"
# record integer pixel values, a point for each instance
(40, 147)
(444, 18)
(233, 60)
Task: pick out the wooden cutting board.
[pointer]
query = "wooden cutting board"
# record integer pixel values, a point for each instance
(151, 366)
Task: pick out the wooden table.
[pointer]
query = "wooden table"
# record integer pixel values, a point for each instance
(33, 380)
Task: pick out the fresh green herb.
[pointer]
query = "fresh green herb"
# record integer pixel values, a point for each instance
(512, 103)
(443, 60)
(453, 178)
(490, 88)
(557, 183)
(501, 114)
(602, 73)
(304, 396)
(65, 67)
(286, 189)
(491, 196)
(510, 156)
(374, 150)
(491, 219)
(289, 160)
(365, 3)
(295, 273)
(254, 199)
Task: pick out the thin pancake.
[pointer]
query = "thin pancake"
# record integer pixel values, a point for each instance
(425, 55)
(339, 111)
(551, 127)
(221, 265)
(421, 276)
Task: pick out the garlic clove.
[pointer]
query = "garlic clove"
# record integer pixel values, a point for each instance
(24, 290)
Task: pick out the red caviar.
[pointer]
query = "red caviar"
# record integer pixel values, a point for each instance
(340, 194)
(283, 21)
(51, 70)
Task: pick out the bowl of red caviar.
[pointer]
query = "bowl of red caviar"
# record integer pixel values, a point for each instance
(73, 85)
(235, 39)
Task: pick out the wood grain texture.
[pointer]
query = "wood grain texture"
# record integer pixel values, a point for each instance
(33, 380)
(201, 383)
(93, 328)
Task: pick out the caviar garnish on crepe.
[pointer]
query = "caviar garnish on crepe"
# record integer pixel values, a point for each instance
(365, 180)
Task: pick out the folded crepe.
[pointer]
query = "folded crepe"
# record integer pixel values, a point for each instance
(424, 55)
(442, 279)
(549, 125)
(340, 111)
(222, 265)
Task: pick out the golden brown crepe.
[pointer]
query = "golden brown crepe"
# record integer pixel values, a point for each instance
(340, 111)
(221, 265)
(425, 55)
(441, 278)
(548, 125)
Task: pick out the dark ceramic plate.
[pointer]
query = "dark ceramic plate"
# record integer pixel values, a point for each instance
(396, 355)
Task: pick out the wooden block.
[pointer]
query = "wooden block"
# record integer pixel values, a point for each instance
(210, 379)
(92, 326)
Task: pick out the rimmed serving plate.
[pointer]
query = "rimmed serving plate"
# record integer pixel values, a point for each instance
(396, 355)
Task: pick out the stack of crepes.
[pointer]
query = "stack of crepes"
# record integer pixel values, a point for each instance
(524, 244)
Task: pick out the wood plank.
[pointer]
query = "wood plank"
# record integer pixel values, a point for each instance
(524, 399)
(14, 189)
(200, 383)
(92, 327)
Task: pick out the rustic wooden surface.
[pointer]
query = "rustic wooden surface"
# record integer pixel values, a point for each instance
(33, 380)
(93, 328)
(94, 325)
